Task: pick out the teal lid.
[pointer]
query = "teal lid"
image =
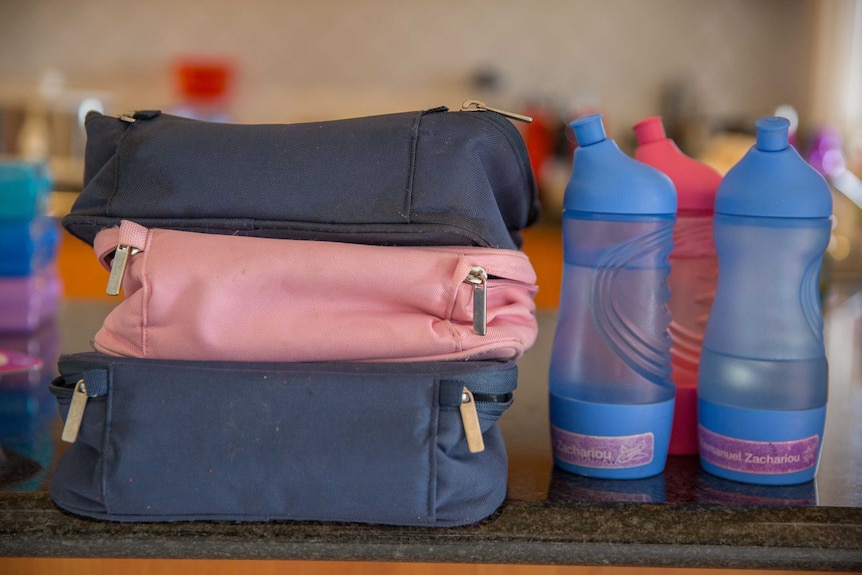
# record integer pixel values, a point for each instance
(772, 179)
(24, 189)
(606, 180)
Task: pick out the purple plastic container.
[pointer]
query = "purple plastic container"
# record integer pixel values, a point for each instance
(27, 302)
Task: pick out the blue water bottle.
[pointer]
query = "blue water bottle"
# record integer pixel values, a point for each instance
(611, 395)
(762, 381)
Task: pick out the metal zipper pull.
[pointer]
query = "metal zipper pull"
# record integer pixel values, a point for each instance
(118, 268)
(130, 241)
(478, 278)
(478, 105)
(76, 413)
(132, 117)
(470, 419)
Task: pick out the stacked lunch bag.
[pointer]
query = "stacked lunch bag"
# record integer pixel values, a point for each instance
(319, 321)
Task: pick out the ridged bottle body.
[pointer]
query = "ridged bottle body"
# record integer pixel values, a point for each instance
(611, 349)
(692, 281)
(694, 268)
(616, 314)
(763, 372)
(763, 376)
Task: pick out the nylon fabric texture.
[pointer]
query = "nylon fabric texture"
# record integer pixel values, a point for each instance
(294, 300)
(410, 178)
(391, 451)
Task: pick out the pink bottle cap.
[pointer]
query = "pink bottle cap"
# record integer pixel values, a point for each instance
(649, 130)
(695, 182)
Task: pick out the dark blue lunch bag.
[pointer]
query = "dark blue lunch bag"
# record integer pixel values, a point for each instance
(388, 443)
(432, 177)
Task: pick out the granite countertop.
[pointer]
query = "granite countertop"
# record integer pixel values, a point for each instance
(681, 518)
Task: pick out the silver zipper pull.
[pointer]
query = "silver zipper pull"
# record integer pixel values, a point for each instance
(478, 105)
(478, 278)
(118, 268)
(470, 419)
(76, 413)
(132, 117)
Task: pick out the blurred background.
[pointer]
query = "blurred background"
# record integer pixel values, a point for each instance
(708, 68)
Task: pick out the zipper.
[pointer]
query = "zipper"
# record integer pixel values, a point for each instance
(131, 237)
(132, 117)
(470, 420)
(94, 383)
(455, 394)
(118, 268)
(470, 415)
(478, 278)
(98, 385)
(480, 106)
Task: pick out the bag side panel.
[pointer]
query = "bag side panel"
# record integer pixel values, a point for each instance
(374, 443)
(105, 136)
(77, 483)
(187, 169)
(198, 442)
(479, 157)
(470, 486)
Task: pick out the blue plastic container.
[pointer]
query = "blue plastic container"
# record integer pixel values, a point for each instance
(611, 396)
(27, 246)
(24, 190)
(762, 382)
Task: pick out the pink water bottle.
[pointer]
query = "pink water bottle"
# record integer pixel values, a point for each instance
(694, 269)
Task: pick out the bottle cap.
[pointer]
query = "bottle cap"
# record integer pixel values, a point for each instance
(773, 134)
(589, 130)
(605, 180)
(649, 130)
(772, 180)
(695, 182)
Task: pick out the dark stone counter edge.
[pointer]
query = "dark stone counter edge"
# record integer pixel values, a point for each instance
(499, 552)
(700, 536)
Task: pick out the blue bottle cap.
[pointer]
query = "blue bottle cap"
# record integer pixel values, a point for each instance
(772, 179)
(605, 180)
(589, 130)
(773, 134)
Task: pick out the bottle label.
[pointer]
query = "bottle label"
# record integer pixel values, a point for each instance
(603, 452)
(760, 457)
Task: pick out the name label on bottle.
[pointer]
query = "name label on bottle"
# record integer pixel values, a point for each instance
(761, 457)
(603, 452)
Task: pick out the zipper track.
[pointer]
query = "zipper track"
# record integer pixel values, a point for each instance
(493, 397)
(61, 388)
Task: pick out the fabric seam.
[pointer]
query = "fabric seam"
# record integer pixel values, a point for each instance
(145, 300)
(432, 452)
(414, 146)
(120, 144)
(106, 443)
